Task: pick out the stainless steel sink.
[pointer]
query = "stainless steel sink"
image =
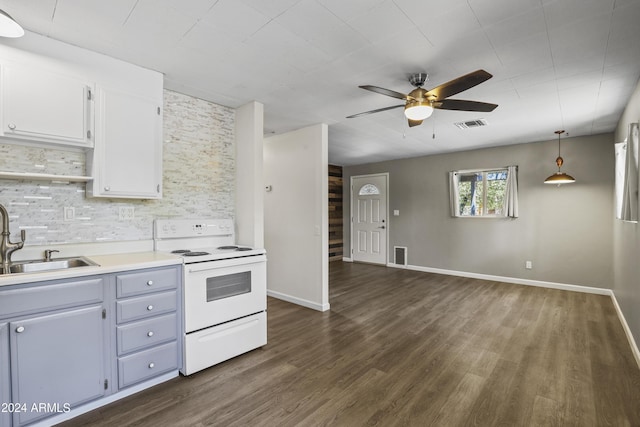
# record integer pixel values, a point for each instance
(55, 264)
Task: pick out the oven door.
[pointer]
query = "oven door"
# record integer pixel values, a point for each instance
(220, 291)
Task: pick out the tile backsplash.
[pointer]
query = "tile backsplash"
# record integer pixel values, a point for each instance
(198, 181)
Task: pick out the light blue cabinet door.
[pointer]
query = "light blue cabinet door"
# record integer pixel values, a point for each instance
(5, 416)
(57, 361)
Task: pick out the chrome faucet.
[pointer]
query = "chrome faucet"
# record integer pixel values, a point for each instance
(6, 246)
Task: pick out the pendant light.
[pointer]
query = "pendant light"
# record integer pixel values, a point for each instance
(9, 27)
(559, 177)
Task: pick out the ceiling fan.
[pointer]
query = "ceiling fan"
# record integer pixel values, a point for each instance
(420, 102)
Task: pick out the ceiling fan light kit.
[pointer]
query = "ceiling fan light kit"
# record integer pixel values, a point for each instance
(559, 177)
(419, 103)
(418, 110)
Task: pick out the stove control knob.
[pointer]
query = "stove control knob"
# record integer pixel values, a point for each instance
(149, 307)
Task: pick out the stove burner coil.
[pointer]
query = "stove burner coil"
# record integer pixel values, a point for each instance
(228, 247)
(243, 249)
(190, 253)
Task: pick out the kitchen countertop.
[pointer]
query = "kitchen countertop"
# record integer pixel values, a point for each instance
(110, 263)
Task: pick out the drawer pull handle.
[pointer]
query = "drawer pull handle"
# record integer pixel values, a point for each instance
(20, 329)
(152, 365)
(150, 283)
(149, 307)
(150, 333)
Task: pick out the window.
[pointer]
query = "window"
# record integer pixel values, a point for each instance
(484, 193)
(368, 190)
(627, 186)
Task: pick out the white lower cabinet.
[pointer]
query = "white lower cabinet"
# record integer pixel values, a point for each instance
(64, 351)
(127, 158)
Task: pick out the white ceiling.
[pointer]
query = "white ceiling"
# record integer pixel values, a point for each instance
(557, 64)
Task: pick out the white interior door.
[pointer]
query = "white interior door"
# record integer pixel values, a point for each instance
(369, 218)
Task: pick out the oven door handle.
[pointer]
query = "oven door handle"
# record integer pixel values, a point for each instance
(229, 262)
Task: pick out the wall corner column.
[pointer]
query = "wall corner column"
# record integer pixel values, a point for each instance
(249, 131)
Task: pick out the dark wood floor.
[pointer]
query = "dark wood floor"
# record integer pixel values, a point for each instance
(403, 348)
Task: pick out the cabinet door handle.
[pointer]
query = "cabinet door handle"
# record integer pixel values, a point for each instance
(12, 126)
(152, 365)
(149, 307)
(20, 329)
(150, 333)
(150, 283)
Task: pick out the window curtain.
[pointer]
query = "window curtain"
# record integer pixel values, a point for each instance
(621, 159)
(510, 208)
(629, 210)
(453, 194)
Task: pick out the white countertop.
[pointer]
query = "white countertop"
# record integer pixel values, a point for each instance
(110, 263)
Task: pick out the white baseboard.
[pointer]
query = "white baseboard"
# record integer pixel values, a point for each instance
(627, 331)
(299, 301)
(515, 280)
(346, 259)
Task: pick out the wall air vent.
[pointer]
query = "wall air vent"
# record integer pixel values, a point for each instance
(471, 124)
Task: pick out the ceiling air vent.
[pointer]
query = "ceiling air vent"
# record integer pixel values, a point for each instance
(471, 124)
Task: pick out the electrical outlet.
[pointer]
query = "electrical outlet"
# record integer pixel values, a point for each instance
(528, 265)
(69, 213)
(127, 213)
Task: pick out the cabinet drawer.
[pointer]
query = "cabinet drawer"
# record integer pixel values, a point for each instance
(147, 364)
(50, 296)
(146, 306)
(146, 281)
(147, 333)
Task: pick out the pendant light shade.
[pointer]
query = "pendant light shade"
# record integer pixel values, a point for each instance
(559, 177)
(9, 27)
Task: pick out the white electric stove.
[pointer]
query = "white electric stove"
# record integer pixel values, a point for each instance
(224, 290)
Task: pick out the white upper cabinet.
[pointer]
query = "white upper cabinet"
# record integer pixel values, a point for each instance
(127, 158)
(45, 106)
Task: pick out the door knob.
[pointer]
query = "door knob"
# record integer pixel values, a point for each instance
(382, 227)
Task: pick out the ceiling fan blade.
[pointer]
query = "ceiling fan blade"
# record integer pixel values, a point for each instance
(462, 105)
(460, 84)
(388, 92)
(375, 111)
(413, 123)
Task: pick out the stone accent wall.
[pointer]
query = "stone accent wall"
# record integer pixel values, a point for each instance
(198, 181)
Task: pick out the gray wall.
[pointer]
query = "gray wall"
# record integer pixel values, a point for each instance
(565, 231)
(626, 241)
